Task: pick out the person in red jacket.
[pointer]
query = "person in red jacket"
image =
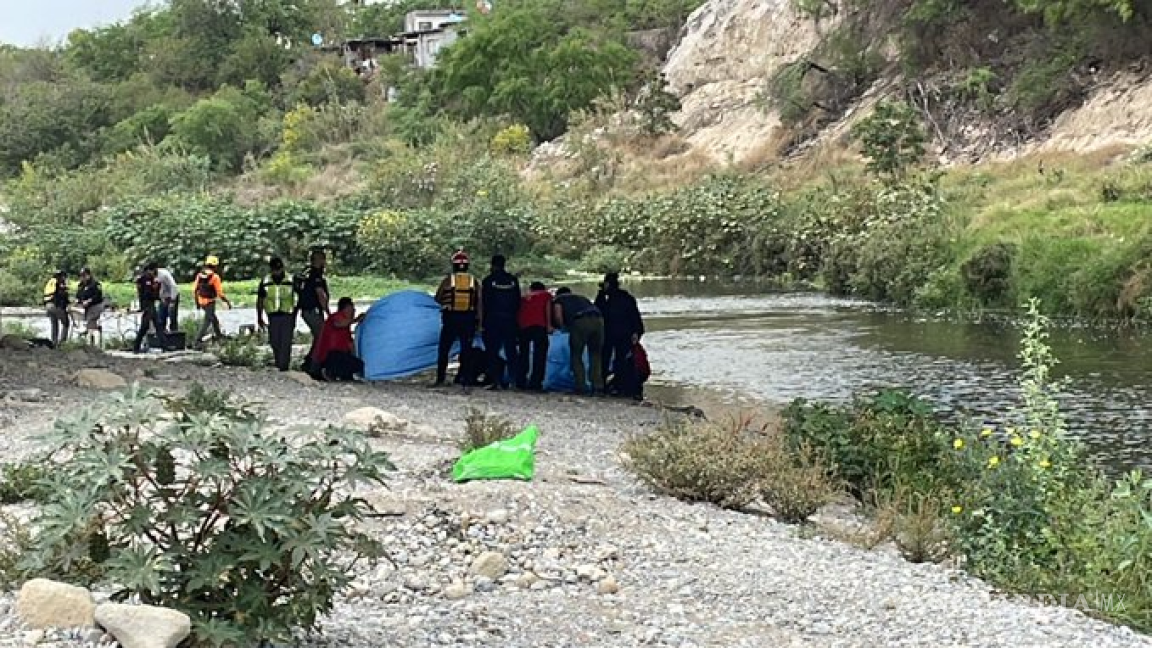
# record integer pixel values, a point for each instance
(334, 356)
(534, 321)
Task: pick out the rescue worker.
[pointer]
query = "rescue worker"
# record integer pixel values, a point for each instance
(312, 298)
(56, 301)
(148, 294)
(90, 297)
(461, 306)
(276, 297)
(209, 290)
(585, 327)
(623, 328)
(535, 323)
(500, 294)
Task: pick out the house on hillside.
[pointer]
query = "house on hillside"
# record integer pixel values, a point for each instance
(426, 32)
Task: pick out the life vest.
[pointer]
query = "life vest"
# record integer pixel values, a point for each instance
(204, 288)
(281, 295)
(462, 293)
(55, 293)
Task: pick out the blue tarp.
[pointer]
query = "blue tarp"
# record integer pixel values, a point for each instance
(558, 373)
(399, 335)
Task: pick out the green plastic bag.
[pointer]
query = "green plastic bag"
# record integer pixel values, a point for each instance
(513, 458)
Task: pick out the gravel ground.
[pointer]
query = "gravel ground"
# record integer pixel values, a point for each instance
(583, 555)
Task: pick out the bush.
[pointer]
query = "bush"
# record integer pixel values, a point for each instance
(513, 140)
(731, 465)
(601, 259)
(988, 273)
(483, 429)
(892, 138)
(21, 482)
(202, 507)
(245, 351)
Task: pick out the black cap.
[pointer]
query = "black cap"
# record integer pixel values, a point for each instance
(276, 263)
(563, 290)
(537, 285)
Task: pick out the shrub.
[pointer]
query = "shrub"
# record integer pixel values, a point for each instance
(604, 258)
(732, 465)
(988, 273)
(483, 429)
(244, 351)
(21, 482)
(203, 507)
(15, 542)
(513, 140)
(892, 139)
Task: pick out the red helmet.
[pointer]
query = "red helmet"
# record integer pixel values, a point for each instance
(460, 258)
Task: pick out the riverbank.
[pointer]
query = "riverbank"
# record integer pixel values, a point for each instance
(681, 574)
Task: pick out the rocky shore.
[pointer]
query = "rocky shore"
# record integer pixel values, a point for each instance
(581, 556)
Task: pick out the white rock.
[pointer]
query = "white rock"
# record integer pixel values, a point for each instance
(491, 564)
(456, 590)
(42, 603)
(608, 586)
(99, 379)
(368, 418)
(33, 637)
(526, 580)
(499, 516)
(143, 626)
(484, 584)
(300, 377)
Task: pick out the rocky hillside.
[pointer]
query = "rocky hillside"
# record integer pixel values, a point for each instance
(732, 63)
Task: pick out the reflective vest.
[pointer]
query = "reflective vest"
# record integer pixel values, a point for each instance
(462, 293)
(281, 295)
(55, 294)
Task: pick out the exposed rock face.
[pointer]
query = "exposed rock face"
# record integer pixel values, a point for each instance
(722, 65)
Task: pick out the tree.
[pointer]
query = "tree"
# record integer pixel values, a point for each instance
(656, 105)
(220, 127)
(892, 139)
(328, 82)
(45, 117)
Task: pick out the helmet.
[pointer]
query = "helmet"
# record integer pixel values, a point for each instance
(460, 258)
(212, 260)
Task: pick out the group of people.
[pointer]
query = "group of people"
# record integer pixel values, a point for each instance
(514, 326)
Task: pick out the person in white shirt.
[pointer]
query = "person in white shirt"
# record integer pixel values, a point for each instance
(169, 300)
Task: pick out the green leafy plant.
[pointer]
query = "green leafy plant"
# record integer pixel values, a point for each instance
(513, 140)
(21, 482)
(206, 508)
(892, 138)
(244, 351)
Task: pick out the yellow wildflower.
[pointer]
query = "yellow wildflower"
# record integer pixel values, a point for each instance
(1017, 441)
(957, 510)
(958, 444)
(1044, 463)
(482, 193)
(1035, 434)
(986, 432)
(993, 462)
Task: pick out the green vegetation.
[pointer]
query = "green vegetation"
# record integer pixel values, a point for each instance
(482, 429)
(253, 534)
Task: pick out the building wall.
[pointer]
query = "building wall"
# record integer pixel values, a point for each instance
(428, 47)
(427, 20)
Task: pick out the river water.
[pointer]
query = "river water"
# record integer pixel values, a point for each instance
(750, 345)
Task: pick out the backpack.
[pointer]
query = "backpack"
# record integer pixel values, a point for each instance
(204, 287)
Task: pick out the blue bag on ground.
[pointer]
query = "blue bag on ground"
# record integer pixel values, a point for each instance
(513, 458)
(558, 372)
(399, 336)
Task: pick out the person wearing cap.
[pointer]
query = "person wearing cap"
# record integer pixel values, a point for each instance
(56, 301)
(276, 297)
(581, 319)
(500, 294)
(148, 294)
(534, 321)
(90, 298)
(461, 307)
(623, 328)
(209, 290)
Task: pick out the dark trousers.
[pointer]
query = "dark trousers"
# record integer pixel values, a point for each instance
(342, 366)
(281, 329)
(314, 319)
(501, 336)
(149, 319)
(534, 344)
(619, 363)
(210, 321)
(587, 333)
(170, 314)
(456, 327)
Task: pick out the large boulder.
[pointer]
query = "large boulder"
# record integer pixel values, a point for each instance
(42, 603)
(143, 626)
(100, 379)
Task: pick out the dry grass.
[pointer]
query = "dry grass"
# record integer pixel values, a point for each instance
(482, 429)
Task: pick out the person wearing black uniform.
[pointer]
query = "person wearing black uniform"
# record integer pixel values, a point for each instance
(461, 305)
(90, 297)
(501, 298)
(276, 297)
(312, 298)
(623, 328)
(148, 294)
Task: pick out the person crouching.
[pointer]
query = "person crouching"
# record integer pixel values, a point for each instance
(334, 357)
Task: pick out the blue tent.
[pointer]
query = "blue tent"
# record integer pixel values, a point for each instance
(558, 372)
(399, 336)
